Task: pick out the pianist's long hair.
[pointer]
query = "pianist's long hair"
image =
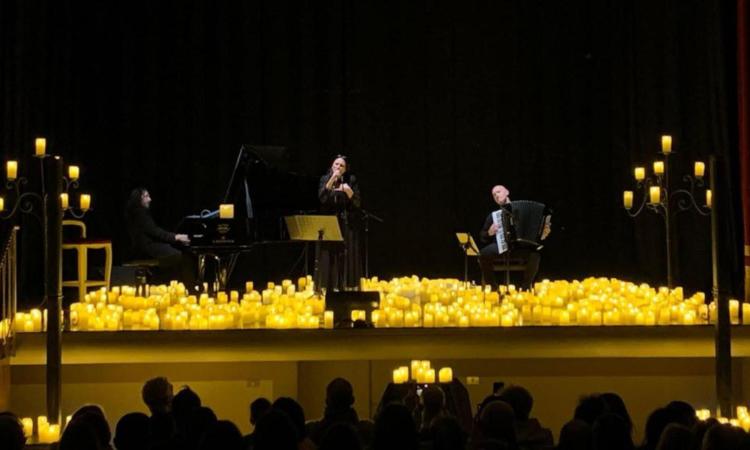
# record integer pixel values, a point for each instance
(134, 200)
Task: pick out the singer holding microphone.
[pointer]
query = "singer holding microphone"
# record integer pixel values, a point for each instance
(338, 192)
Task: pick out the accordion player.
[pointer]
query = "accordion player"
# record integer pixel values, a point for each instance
(512, 236)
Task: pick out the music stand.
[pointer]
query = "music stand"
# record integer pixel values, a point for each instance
(469, 247)
(314, 228)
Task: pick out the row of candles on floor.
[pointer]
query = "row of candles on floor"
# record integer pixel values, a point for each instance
(46, 433)
(420, 372)
(741, 420)
(404, 302)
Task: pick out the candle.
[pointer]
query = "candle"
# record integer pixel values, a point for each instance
(734, 311)
(73, 172)
(226, 211)
(28, 427)
(746, 313)
(40, 146)
(666, 144)
(429, 376)
(415, 365)
(85, 201)
(700, 169)
(64, 200)
(709, 199)
(328, 320)
(445, 375)
(659, 167)
(627, 199)
(654, 194)
(640, 173)
(12, 170)
(2, 204)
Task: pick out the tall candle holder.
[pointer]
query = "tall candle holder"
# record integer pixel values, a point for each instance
(48, 205)
(657, 196)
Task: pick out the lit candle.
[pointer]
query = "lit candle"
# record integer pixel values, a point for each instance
(73, 172)
(40, 146)
(700, 169)
(640, 173)
(734, 311)
(659, 167)
(12, 170)
(654, 194)
(64, 200)
(2, 204)
(429, 376)
(226, 211)
(666, 144)
(328, 319)
(709, 198)
(28, 427)
(396, 376)
(627, 199)
(746, 313)
(415, 365)
(85, 201)
(445, 375)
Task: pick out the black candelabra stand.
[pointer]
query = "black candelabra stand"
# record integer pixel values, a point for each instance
(48, 205)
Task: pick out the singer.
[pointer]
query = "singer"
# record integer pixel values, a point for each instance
(338, 192)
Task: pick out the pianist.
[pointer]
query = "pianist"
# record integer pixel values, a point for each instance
(338, 192)
(149, 241)
(489, 255)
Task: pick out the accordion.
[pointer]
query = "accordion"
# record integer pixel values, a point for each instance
(522, 226)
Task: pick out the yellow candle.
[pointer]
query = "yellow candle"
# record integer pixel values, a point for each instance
(64, 200)
(28, 427)
(659, 167)
(627, 199)
(85, 201)
(445, 375)
(709, 198)
(73, 172)
(12, 170)
(2, 204)
(640, 173)
(328, 319)
(226, 211)
(396, 376)
(700, 169)
(53, 433)
(746, 313)
(654, 194)
(429, 376)
(666, 144)
(40, 146)
(734, 311)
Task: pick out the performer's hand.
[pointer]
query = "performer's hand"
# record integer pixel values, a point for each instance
(547, 228)
(182, 238)
(493, 229)
(346, 188)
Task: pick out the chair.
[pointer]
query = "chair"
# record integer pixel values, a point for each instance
(82, 245)
(143, 270)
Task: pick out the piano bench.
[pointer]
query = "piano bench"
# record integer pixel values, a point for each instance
(142, 269)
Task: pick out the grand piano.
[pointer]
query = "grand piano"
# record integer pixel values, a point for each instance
(263, 191)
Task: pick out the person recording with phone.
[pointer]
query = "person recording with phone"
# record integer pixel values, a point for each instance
(338, 193)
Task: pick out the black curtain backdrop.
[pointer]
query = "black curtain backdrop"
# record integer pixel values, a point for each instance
(433, 102)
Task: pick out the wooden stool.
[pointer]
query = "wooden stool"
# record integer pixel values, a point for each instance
(142, 270)
(81, 246)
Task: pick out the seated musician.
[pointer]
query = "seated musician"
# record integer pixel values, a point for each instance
(338, 193)
(489, 256)
(149, 241)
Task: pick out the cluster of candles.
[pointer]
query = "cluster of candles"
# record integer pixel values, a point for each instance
(655, 192)
(414, 302)
(46, 433)
(33, 321)
(742, 419)
(170, 307)
(74, 172)
(421, 373)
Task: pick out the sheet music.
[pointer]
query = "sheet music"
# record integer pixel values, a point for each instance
(497, 219)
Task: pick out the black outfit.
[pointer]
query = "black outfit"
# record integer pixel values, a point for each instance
(341, 265)
(489, 256)
(149, 241)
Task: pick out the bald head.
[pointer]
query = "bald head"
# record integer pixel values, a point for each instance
(500, 194)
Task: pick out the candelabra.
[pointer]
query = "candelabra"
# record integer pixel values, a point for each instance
(657, 195)
(48, 205)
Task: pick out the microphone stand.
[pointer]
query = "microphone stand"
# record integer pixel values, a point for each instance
(366, 216)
